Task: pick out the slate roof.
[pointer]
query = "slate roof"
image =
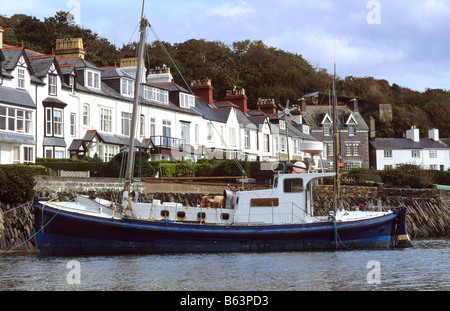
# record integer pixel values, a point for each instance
(114, 72)
(314, 115)
(114, 139)
(404, 143)
(16, 97)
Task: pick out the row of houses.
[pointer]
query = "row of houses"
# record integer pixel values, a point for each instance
(63, 106)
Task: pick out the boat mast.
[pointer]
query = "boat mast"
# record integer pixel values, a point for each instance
(137, 84)
(336, 156)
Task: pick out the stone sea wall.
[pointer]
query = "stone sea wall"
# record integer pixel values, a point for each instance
(428, 209)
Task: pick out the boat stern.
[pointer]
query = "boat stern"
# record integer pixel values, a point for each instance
(402, 237)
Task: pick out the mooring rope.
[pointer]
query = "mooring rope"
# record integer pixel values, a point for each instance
(27, 240)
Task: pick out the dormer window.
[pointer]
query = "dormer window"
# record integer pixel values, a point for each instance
(327, 129)
(21, 78)
(127, 88)
(351, 130)
(186, 100)
(93, 79)
(52, 84)
(155, 94)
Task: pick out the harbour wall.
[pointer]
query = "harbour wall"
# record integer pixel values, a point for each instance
(428, 209)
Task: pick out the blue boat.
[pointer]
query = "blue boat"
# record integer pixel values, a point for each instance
(248, 221)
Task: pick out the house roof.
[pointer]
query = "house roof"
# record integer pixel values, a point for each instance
(405, 143)
(16, 97)
(114, 72)
(315, 114)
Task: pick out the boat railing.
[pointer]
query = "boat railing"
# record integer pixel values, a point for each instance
(296, 213)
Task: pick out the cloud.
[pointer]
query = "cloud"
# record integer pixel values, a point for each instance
(231, 9)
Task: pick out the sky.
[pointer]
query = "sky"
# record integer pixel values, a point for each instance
(404, 42)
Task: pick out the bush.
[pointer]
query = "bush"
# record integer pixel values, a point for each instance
(16, 184)
(230, 168)
(408, 175)
(185, 169)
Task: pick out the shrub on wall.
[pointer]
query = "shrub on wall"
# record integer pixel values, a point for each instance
(17, 183)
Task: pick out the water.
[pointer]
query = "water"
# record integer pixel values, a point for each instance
(424, 267)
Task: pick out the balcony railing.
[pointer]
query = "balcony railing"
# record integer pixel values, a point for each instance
(168, 142)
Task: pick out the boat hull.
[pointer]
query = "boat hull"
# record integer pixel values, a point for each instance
(65, 233)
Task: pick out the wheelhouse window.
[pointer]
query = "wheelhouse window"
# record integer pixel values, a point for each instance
(293, 185)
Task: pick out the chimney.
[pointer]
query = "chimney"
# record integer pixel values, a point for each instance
(372, 127)
(354, 105)
(203, 89)
(413, 134)
(69, 48)
(1, 37)
(433, 134)
(160, 75)
(129, 65)
(267, 106)
(238, 98)
(302, 104)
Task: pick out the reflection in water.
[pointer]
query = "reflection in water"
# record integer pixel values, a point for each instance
(424, 267)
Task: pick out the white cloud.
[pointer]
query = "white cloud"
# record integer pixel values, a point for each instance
(231, 9)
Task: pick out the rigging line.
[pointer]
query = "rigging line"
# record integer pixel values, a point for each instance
(190, 90)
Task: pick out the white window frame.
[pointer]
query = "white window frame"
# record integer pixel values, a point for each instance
(92, 79)
(387, 154)
(415, 153)
(247, 139)
(232, 132)
(186, 100)
(21, 78)
(58, 122)
(126, 123)
(52, 84)
(73, 124)
(106, 119)
(86, 112)
(266, 139)
(433, 154)
(127, 87)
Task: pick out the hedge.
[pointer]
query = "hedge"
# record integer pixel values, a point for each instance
(17, 183)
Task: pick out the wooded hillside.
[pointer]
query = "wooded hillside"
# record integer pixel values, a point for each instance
(263, 71)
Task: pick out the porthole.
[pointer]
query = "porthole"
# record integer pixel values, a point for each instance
(201, 216)
(225, 216)
(164, 213)
(181, 214)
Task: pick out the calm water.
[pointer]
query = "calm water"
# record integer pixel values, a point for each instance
(424, 267)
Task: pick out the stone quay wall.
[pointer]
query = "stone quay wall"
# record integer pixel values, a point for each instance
(428, 209)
